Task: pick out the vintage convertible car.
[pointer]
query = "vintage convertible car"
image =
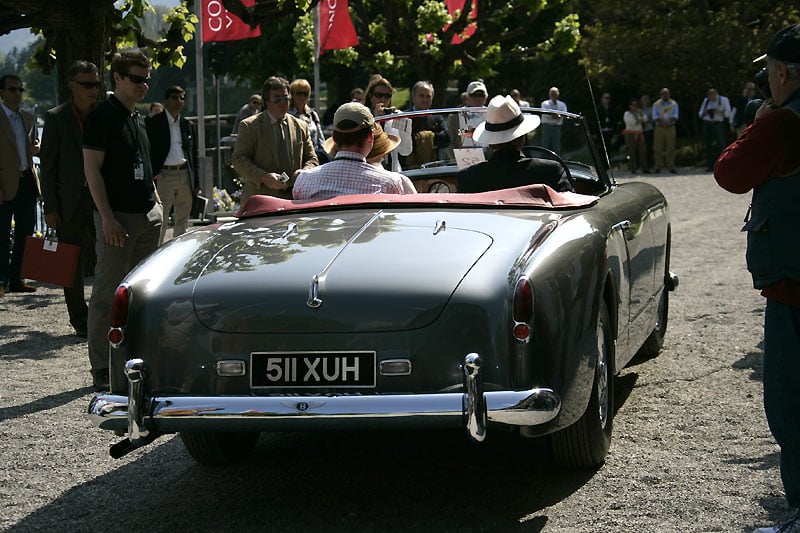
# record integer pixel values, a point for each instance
(509, 308)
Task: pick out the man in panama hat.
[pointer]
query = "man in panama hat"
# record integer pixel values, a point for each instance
(504, 130)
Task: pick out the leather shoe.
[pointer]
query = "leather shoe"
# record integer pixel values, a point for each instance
(22, 286)
(100, 379)
(2, 290)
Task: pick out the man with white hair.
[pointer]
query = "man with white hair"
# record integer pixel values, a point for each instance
(551, 124)
(505, 130)
(765, 159)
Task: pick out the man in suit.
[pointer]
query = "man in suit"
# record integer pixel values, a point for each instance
(19, 183)
(173, 154)
(67, 202)
(272, 143)
(505, 130)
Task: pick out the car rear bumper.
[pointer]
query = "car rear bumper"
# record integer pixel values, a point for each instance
(168, 414)
(146, 417)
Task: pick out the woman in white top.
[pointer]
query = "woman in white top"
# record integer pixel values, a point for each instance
(634, 120)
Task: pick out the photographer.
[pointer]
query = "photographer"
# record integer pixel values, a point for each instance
(766, 160)
(714, 111)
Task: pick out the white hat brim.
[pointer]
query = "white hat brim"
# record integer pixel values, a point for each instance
(486, 137)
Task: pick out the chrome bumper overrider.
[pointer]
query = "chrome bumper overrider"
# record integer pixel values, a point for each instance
(145, 418)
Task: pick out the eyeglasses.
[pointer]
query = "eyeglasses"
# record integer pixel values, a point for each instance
(136, 79)
(16, 90)
(177, 97)
(382, 95)
(280, 99)
(88, 84)
(300, 93)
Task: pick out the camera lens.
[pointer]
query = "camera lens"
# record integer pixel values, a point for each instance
(762, 82)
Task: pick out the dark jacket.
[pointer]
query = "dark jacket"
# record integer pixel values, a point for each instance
(773, 253)
(508, 168)
(63, 180)
(158, 133)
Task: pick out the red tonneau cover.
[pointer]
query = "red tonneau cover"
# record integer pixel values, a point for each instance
(540, 196)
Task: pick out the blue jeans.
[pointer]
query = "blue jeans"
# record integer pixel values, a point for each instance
(551, 137)
(23, 209)
(781, 398)
(714, 139)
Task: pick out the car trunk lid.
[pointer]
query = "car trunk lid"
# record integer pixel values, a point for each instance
(342, 274)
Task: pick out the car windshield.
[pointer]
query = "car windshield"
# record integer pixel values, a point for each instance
(435, 145)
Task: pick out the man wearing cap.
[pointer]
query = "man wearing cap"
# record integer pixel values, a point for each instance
(462, 125)
(766, 160)
(504, 131)
(272, 147)
(355, 134)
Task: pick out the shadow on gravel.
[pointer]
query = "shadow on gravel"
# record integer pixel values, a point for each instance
(351, 481)
(43, 404)
(33, 344)
(754, 361)
(33, 300)
(623, 386)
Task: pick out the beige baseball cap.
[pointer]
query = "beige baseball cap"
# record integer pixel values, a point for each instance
(351, 117)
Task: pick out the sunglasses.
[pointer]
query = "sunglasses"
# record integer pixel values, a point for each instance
(136, 79)
(300, 93)
(88, 84)
(382, 95)
(177, 97)
(16, 90)
(280, 99)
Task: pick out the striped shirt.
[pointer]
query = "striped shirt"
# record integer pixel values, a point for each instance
(348, 173)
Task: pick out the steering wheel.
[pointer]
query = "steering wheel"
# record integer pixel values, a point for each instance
(549, 154)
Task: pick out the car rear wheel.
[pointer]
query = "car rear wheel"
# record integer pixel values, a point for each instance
(585, 443)
(220, 448)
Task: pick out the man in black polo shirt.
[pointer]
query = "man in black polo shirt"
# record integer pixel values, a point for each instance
(116, 155)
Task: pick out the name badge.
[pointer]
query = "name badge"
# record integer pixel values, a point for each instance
(138, 172)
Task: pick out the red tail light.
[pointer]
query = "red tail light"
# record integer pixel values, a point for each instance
(119, 314)
(523, 309)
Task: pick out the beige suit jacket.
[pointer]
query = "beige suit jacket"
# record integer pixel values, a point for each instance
(256, 153)
(9, 157)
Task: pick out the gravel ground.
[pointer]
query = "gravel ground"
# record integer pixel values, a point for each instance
(691, 449)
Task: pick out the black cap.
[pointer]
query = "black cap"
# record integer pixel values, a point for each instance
(784, 46)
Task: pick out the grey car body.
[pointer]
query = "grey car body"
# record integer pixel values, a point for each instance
(510, 308)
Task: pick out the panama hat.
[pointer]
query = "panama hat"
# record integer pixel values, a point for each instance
(504, 122)
(383, 143)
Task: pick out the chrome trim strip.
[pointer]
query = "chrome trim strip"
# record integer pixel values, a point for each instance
(314, 301)
(169, 414)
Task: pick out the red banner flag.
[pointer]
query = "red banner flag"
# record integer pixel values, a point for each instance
(335, 27)
(219, 25)
(458, 5)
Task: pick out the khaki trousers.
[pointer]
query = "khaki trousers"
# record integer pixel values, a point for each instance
(664, 146)
(113, 264)
(176, 193)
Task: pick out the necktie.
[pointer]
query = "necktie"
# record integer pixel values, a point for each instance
(19, 133)
(283, 150)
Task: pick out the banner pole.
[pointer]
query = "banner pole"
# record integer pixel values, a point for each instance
(315, 18)
(205, 182)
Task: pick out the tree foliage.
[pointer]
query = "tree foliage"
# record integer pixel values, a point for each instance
(688, 46)
(410, 40)
(94, 29)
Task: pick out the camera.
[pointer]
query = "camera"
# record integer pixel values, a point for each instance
(762, 83)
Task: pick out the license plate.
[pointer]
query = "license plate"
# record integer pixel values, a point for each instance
(341, 370)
